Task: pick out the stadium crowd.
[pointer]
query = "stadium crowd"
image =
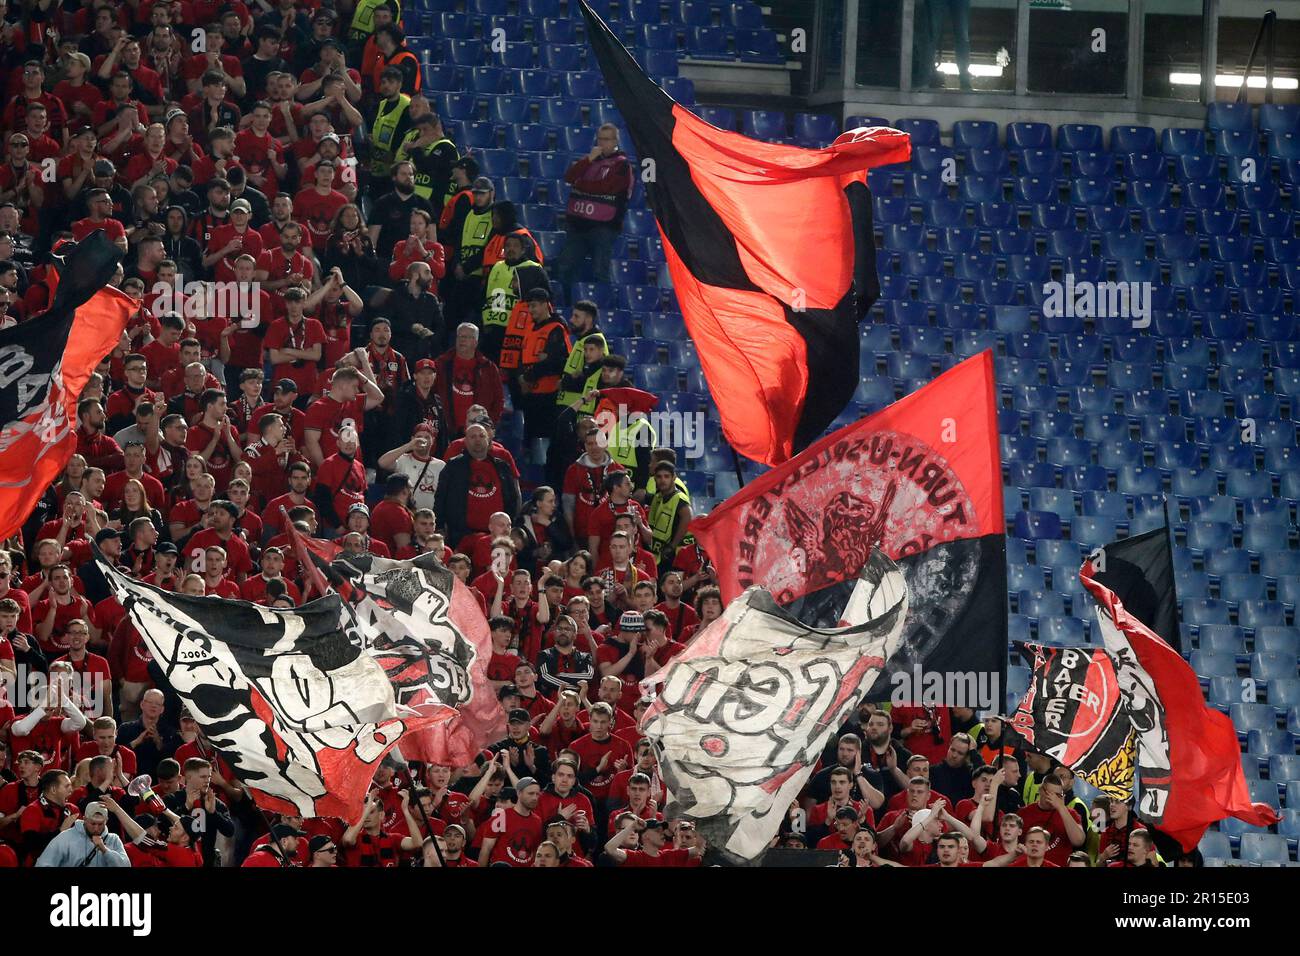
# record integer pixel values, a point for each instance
(371, 315)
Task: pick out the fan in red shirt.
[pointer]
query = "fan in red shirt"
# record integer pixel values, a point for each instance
(214, 575)
(390, 519)
(653, 850)
(923, 730)
(232, 240)
(584, 485)
(259, 152)
(255, 588)
(1064, 830)
(602, 754)
(514, 833)
(565, 800)
(317, 204)
(1036, 852)
(100, 204)
(295, 343)
(367, 843)
(103, 743)
(284, 846)
(220, 533)
(134, 457)
(213, 437)
(343, 406)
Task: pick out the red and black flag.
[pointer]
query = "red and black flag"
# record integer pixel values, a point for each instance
(1074, 712)
(922, 481)
(1188, 760)
(1140, 572)
(771, 253)
(44, 365)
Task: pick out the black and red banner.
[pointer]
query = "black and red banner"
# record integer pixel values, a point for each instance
(771, 253)
(1188, 760)
(922, 481)
(44, 365)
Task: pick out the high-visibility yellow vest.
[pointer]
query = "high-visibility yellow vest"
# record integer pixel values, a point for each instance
(363, 16)
(677, 482)
(572, 366)
(623, 443)
(501, 298)
(423, 184)
(474, 235)
(663, 518)
(383, 134)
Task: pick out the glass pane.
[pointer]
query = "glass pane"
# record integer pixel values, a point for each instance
(1236, 36)
(1078, 47)
(1171, 53)
(830, 46)
(964, 45)
(880, 38)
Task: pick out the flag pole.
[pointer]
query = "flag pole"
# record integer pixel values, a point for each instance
(270, 828)
(735, 461)
(415, 794)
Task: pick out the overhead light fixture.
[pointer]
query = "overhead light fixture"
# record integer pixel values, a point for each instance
(976, 69)
(1222, 79)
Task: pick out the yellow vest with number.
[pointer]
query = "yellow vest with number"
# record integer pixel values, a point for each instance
(383, 134)
(423, 184)
(501, 298)
(572, 366)
(623, 443)
(663, 518)
(474, 235)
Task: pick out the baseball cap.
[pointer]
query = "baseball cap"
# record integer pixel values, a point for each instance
(242, 205)
(319, 842)
(426, 363)
(332, 137)
(482, 185)
(631, 621)
(105, 533)
(104, 167)
(519, 716)
(359, 508)
(282, 831)
(286, 385)
(507, 690)
(525, 782)
(166, 547)
(654, 824)
(95, 809)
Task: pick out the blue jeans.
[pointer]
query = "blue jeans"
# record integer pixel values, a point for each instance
(592, 242)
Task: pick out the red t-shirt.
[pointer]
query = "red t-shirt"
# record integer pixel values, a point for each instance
(220, 463)
(1024, 861)
(517, 836)
(389, 519)
(256, 154)
(238, 560)
(161, 359)
(317, 213)
(329, 416)
(383, 850)
(307, 333)
(1060, 848)
(591, 751)
(254, 590)
(251, 245)
(485, 497)
(586, 484)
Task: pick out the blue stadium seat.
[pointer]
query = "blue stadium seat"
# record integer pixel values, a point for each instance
(1073, 137)
(1033, 525)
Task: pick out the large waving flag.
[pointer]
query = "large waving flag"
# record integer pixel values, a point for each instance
(771, 253)
(289, 697)
(922, 481)
(44, 365)
(1140, 572)
(1189, 763)
(422, 625)
(748, 707)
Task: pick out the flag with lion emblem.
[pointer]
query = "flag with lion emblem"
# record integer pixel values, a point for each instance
(922, 481)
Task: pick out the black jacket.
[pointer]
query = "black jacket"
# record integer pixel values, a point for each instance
(453, 491)
(409, 409)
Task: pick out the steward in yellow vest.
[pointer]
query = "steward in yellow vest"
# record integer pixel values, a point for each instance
(427, 148)
(669, 510)
(392, 120)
